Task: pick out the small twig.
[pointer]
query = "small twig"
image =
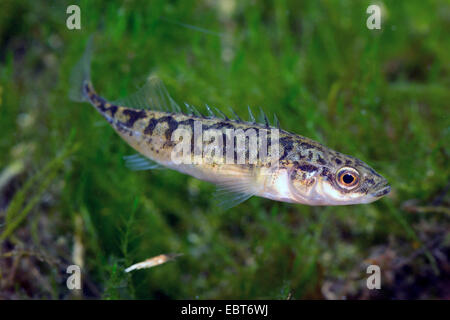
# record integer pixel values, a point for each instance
(153, 262)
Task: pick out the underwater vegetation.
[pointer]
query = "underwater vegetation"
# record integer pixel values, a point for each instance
(67, 197)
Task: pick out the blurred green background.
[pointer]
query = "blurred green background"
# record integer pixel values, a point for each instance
(67, 198)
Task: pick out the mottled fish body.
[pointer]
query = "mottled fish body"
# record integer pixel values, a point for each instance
(304, 170)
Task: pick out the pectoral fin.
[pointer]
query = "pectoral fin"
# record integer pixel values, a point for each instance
(137, 162)
(234, 190)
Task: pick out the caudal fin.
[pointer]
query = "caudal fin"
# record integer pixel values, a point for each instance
(81, 74)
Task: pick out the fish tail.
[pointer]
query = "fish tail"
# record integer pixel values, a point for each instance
(80, 79)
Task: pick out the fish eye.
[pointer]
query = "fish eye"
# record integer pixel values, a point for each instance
(347, 178)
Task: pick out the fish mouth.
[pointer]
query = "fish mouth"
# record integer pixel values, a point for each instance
(381, 191)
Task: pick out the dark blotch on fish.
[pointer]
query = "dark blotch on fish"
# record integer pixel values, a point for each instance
(219, 125)
(286, 142)
(104, 107)
(307, 145)
(383, 192)
(172, 123)
(133, 116)
(189, 122)
(321, 160)
(307, 167)
(151, 126)
(326, 173)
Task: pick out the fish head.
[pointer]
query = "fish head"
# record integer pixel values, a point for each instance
(344, 181)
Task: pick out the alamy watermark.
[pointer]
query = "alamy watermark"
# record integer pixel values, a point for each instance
(225, 145)
(374, 20)
(74, 280)
(73, 21)
(374, 280)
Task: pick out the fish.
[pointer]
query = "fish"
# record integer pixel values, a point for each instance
(243, 158)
